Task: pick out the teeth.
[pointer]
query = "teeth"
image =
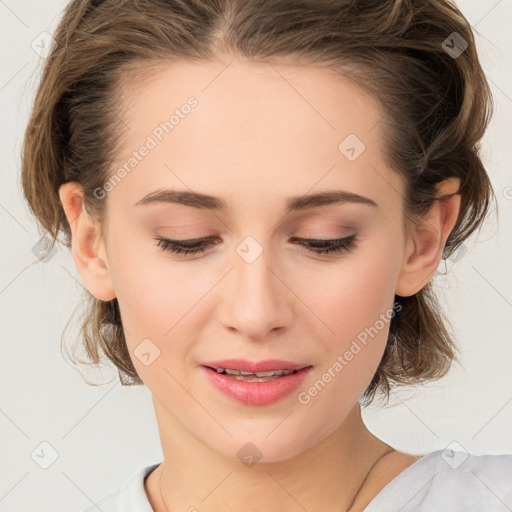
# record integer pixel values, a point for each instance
(271, 373)
(229, 371)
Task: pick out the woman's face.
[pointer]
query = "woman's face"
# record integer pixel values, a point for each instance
(255, 139)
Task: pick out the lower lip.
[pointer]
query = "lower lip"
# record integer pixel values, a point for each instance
(256, 393)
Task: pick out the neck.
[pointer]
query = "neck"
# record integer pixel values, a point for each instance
(324, 477)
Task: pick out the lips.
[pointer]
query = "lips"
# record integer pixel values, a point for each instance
(255, 366)
(255, 382)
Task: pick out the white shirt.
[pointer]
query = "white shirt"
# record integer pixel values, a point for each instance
(441, 481)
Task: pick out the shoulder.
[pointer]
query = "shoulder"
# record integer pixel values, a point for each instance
(450, 480)
(452, 466)
(130, 497)
(484, 479)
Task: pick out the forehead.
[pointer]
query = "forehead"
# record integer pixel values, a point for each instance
(258, 97)
(269, 127)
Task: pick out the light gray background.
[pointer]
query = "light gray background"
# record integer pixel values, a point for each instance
(103, 434)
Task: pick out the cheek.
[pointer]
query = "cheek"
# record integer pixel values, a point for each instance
(353, 294)
(357, 308)
(151, 291)
(354, 301)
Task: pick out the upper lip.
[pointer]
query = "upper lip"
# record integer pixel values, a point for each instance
(255, 366)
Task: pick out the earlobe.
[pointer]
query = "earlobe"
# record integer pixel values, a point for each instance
(424, 248)
(87, 245)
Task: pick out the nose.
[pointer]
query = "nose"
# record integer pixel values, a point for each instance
(256, 299)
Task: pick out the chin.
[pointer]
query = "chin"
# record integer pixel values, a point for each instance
(259, 447)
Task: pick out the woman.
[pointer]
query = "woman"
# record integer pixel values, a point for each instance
(256, 196)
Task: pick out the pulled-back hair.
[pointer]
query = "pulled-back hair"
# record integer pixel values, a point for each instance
(409, 54)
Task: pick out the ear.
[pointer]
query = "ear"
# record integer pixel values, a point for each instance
(425, 245)
(87, 245)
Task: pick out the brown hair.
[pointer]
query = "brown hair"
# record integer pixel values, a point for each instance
(437, 105)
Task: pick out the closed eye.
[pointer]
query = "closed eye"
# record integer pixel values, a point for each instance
(200, 245)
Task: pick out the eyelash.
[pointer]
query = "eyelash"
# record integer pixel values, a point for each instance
(195, 246)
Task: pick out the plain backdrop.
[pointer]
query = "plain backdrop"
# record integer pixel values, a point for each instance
(99, 435)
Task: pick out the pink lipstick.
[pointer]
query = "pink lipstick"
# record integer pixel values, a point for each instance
(256, 382)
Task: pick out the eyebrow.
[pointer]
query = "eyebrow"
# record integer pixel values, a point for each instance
(203, 201)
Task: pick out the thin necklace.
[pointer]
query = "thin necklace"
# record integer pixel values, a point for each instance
(365, 478)
(347, 510)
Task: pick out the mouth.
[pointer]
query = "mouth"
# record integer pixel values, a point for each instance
(255, 371)
(253, 376)
(256, 383)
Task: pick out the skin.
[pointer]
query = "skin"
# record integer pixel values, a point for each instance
(256, 138)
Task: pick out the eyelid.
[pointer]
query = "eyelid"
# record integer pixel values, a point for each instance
(324, 247)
